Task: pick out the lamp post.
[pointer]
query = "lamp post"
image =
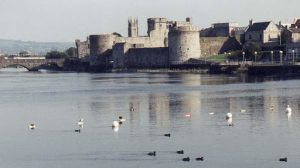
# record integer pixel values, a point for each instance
(243, 57)
(281, 53)
(293, 51)
(255, 55)
(272, 59)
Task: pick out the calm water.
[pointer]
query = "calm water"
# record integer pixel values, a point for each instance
(56, 101)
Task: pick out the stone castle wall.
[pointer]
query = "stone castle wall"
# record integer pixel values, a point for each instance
(147, 58)
(127, 55)
(183, 44)
(82, 49)
(218, 45)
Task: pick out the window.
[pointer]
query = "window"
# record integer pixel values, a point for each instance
(250, 37)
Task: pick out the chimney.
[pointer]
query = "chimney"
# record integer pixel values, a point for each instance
(250, 22)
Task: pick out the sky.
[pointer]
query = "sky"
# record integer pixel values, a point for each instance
(67, 20)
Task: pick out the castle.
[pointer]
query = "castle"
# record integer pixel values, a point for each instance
(167, 43)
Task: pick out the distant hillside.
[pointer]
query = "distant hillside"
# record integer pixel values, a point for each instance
(14, 46)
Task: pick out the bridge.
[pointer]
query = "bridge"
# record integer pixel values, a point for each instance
(32, 63)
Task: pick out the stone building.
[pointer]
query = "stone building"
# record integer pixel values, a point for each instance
(167, 43)
(82, 48)
(263, 33)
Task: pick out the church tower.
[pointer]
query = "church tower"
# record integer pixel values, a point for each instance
(133, 27)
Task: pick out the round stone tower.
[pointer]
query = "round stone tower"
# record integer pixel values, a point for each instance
(100, 44)
(184, 43)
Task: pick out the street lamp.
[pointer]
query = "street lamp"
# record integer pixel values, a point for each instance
(293, 51)
(255, 54)
(281, 53)
(272, 56)
(243, 56)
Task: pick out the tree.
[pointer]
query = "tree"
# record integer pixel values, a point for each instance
(250, 48)
(56, 54)
(71, 52)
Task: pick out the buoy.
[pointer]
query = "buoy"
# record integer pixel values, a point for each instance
(152, 153)
(180, 152)
(32, 126)
(80, 123)
(187, 159)
(283, 159)
(167, 135)
(200, 158)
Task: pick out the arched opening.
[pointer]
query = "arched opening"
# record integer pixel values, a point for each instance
(14, 68)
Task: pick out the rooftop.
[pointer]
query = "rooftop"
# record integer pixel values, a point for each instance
(258, 26)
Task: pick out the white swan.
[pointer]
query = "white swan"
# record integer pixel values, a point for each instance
(288, 109)
(80, 123)
(32, 126)
(115, 124)
(228, 116)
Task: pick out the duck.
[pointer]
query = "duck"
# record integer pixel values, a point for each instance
(80, 123)
(228, 116)
(283, 159)
(151, 153)
(180, 152)
(200, 158)
(187, 159)
(288, 109)
(32, 126)
(78, 130)
(115, 124)
(121, 119)
(131, 109)
(167, 135)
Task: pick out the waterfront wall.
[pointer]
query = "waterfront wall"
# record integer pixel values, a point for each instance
(147, 58)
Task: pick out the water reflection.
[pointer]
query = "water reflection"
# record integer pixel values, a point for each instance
(154, 105)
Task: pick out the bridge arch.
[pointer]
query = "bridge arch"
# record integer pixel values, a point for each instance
(33, 64)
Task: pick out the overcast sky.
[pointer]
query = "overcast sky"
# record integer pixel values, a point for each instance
(66, 20)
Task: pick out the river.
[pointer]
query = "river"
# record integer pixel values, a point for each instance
(191, 107)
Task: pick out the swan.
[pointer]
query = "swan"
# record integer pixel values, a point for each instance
(230, 122)
(115, 124)
(288, 109)
(80, 123)
(32, 126)
(228, 116)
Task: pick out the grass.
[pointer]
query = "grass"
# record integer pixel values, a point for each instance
(218, 58)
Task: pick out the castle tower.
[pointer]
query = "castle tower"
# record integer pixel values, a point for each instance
(184, 44)
(133, 27)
